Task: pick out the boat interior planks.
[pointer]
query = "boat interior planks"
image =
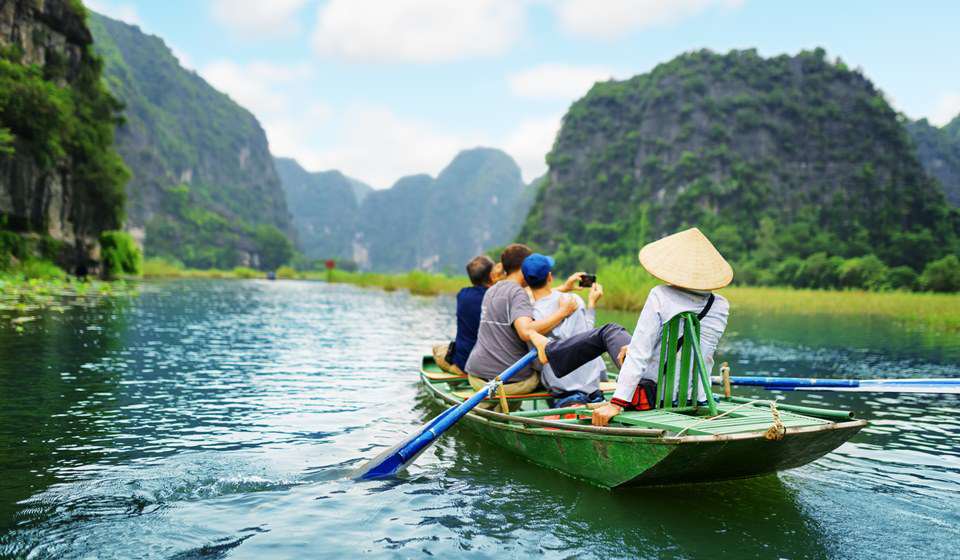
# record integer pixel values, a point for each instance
(676, 445)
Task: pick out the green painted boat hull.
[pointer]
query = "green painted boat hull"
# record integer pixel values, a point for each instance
(613, 461)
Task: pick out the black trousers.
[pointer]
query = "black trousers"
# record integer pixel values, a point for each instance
(568, 354)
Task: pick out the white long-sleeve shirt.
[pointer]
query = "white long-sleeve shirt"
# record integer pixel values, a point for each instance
(587, 377)
(663, 303)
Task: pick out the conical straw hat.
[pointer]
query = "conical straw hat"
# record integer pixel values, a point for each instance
(687, 260)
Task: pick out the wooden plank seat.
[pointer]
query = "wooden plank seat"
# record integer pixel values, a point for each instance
(469, 393)
(605, 386)
(441, 375)
(749, 418)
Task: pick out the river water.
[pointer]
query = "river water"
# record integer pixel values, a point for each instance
(219, 419)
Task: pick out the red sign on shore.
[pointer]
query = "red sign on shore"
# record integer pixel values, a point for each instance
(330, 264)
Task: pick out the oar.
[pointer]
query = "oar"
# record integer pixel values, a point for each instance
(398, 457)
(930, 385)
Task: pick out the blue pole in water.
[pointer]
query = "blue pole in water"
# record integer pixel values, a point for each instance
(397, 458)
(945, 385)
(791, 382)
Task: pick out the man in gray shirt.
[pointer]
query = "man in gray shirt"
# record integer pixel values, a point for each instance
(506, 325)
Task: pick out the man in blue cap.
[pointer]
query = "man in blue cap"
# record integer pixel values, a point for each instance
(581, 386)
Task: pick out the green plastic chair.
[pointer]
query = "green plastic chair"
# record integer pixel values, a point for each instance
(691, 364)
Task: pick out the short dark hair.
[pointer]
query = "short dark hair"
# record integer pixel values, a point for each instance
(512, 257)
(536, 285)
(478, 269)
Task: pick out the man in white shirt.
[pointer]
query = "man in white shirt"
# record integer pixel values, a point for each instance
(581, 386)
(692, 268)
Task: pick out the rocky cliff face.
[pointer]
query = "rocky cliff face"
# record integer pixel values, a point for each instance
(59, 177)
(476, 203)
(939, 152)
(325, 207)
(786, 156)
(203, 181)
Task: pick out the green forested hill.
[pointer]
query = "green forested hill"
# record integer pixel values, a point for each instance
(204, 188)
(790, 164)
(324, 206)
(390, 230)
(478, 201)
(939, 152)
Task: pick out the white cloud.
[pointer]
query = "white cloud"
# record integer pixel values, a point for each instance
(529, 143)
(255, 85)
(295, 135)
(124, 12)
(258, 18)
(611, 19)
(379, 146)
(417, 30)
(947, 108)
(556, 81)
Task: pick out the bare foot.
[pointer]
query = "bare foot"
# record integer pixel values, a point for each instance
(540, 343)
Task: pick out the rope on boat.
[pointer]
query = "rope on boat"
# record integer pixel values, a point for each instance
(775, 432)
(494, 384)
(502, 392)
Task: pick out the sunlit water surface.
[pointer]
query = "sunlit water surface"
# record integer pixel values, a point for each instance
(212, 419)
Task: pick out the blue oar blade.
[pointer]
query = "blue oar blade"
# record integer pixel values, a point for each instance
(398, 457)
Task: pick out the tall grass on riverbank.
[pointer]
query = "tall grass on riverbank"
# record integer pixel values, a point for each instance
(933, 310)
(416, 281)
(626, 287)
(157, 267)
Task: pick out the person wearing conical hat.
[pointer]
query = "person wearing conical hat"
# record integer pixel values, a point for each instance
(692, 269)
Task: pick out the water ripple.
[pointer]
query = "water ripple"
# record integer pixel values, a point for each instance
(223, 419)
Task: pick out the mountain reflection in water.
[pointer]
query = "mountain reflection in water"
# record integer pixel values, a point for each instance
(220, 419)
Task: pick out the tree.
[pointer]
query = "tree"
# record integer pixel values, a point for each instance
(942, 275)
(867, 273)
(273, 247)
(119, 254)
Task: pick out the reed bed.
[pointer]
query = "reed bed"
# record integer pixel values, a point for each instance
(626, 287)
(163, 268)
(416, 281)
(933, 310)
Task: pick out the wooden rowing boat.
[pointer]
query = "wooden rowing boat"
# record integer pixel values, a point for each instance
(653, 447)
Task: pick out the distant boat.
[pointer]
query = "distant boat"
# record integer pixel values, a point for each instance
(271, 275)
(652, 447)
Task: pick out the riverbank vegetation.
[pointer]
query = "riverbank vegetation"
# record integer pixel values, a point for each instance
(159, 267)
(626, 286)
(38, 286)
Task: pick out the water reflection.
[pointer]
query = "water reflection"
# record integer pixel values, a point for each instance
(219, 419)
(58, 399)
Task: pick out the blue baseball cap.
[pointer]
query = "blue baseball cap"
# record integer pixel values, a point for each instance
(536, 267)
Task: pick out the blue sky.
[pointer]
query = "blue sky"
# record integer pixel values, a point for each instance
(384, 88)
